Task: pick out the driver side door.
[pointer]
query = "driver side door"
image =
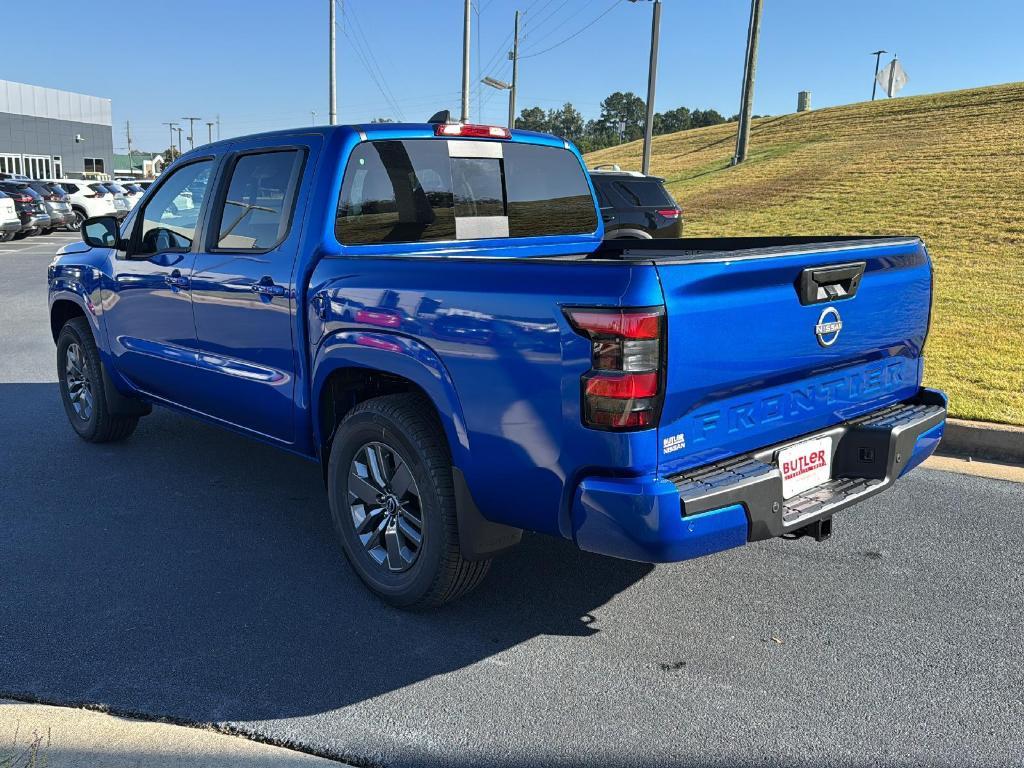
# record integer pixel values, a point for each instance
(150, 326)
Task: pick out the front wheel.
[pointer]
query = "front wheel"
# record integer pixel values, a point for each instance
(393, 504)
(80, 374)
(76, 224)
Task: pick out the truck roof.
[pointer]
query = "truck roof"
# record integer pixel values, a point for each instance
(383, 131)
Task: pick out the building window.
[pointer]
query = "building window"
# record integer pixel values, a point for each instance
(94, 165)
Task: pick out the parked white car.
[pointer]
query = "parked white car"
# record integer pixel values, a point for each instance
(88, 199)
(10, 222)
(122, 192)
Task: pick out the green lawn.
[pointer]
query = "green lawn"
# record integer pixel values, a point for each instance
(948, 167)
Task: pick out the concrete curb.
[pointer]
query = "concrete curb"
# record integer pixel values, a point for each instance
(983, 440)
(66, 737)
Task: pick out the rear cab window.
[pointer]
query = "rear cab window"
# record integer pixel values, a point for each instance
(430, 190)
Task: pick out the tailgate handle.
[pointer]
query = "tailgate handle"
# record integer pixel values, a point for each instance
(831, 283)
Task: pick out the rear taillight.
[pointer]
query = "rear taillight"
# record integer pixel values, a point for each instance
(669, 213)
(472, 131)
(623, 388)
(95, 195)
(23, 199)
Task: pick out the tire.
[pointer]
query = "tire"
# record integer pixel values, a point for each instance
(390, 432)
(76, 225)
(82, 389)
(21, 235)
(6, 237)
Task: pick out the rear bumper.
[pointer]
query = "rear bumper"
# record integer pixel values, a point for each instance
(724, 505)
(11, 225)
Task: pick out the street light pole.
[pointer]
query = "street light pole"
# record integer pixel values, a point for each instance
(465, 61)
(515, 76)
(179, 130)
(209, 132)
(330, 76)
(874, 80)
(191, 131)
(652, 76)
(747, 102)
(172, 126)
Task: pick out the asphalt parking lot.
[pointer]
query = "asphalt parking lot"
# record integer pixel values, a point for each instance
(191, 574)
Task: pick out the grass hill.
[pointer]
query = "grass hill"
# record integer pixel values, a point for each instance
(948, 167)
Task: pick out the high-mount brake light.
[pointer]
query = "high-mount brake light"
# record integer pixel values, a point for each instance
(623, 388)
(472, 131)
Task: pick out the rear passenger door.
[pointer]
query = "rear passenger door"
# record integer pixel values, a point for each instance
(243, 287)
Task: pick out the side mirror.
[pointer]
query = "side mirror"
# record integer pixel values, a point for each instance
(102, 232)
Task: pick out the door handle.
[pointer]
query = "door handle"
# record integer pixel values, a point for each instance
(175, 280)
(267, 287)
(831, 283)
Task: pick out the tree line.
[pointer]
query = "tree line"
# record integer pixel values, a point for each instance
(622, 119)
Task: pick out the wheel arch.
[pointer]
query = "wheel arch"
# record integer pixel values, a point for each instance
(353, 366)
(62, 309)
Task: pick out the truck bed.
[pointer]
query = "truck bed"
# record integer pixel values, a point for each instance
(717, 248)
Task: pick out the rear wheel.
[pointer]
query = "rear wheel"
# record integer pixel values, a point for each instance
(76, 224)
(393, 504)
(82, 388)
(6, 237)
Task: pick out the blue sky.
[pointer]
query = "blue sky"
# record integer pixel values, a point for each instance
(262, 64)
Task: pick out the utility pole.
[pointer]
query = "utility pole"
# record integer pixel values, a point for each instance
(747, 101)
(465, 61)
(515, 75)
(218, 127)
(179, 130)
(312, 114)
(331, 86)
(874, 80)
(652, 76)
(191, 131)
(209, 132)
(172, 126)
(128, 136)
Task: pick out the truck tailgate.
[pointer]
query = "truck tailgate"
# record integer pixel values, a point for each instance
(770, 344)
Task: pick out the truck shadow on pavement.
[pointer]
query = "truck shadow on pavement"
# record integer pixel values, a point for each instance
(192, 573)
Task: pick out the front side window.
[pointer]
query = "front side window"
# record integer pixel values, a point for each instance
(257, 208)
(425, 190)
(171, 216)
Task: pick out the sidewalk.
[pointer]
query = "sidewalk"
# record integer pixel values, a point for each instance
(61, 737)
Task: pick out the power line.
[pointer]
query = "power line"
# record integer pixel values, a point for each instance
(364, 51)
(575, 34)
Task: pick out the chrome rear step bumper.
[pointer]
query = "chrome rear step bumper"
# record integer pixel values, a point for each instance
(868, 455)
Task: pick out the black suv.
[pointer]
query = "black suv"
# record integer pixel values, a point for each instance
(634, 205)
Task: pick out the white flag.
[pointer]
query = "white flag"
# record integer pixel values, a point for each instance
(892, 77)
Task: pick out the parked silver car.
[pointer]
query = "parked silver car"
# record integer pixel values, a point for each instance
(57, 203)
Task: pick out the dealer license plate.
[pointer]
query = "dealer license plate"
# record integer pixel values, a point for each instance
(805, 465)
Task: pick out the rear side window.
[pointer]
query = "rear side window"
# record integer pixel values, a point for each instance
(642, 193)
(428, 190)
(257, 210)
(71, 188)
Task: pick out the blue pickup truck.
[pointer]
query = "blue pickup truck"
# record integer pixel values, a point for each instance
(429, 312)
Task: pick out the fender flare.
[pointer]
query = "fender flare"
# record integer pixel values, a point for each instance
(74, 292)
(398, 355)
